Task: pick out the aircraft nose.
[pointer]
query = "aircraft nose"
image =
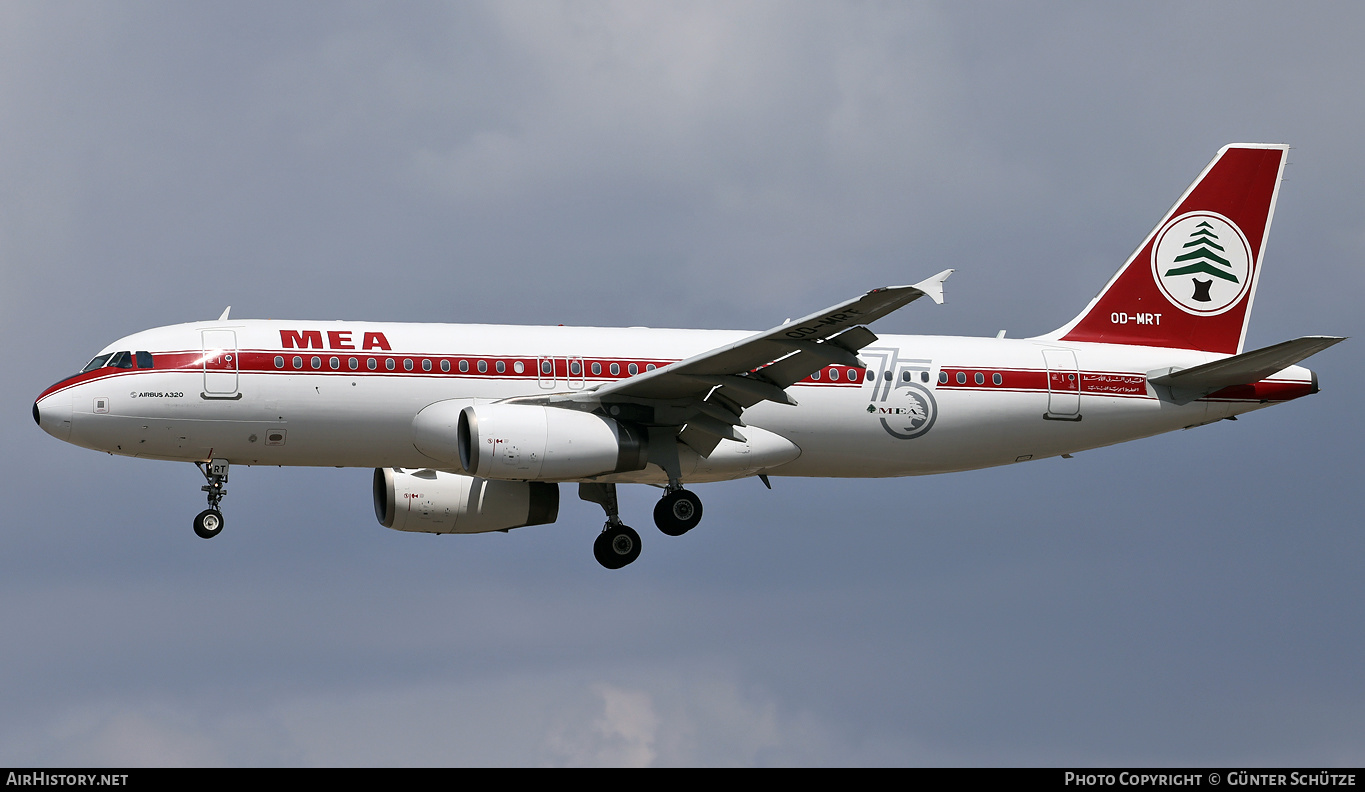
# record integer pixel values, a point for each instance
(53, 414)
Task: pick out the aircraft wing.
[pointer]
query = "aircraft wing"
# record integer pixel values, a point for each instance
(713, 388)
(761, 366)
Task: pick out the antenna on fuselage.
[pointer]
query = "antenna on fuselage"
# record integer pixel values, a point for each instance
(223, 318)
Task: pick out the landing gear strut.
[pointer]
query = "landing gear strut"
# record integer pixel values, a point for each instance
(209, 522)
(618, 544)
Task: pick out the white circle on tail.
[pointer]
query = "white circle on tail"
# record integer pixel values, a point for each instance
(1201, 261)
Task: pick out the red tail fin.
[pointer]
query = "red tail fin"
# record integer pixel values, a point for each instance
(1191, 283)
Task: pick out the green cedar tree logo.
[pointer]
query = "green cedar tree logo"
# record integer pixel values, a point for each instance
(1202, 263)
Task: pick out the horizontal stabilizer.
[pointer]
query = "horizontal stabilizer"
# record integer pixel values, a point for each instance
(1189, 384)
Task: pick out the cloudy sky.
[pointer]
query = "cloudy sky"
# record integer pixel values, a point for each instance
(1195, 598)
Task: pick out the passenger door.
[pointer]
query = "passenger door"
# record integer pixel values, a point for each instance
(1063, 385)
(220, 364)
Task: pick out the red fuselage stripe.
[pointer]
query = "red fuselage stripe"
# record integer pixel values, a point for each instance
(1014, 380)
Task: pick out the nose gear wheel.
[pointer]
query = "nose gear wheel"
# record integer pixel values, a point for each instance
(209, 522)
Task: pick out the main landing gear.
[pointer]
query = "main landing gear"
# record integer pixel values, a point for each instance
(677, 512)
(618, 544)
(209, 522)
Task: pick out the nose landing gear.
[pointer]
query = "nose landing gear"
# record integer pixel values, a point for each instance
(209, 522)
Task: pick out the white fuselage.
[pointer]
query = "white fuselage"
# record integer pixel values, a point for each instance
(346, 394)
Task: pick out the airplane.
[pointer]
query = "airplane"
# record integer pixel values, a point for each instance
(472, 428)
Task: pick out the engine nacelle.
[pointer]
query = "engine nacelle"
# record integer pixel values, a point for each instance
(432, 501)
(529, 442)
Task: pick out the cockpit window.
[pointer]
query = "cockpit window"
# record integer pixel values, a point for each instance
(144, 359)
(96, 363)
(120, 360)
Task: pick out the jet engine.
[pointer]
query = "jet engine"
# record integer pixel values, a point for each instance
(526, 442)
(432, 501)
